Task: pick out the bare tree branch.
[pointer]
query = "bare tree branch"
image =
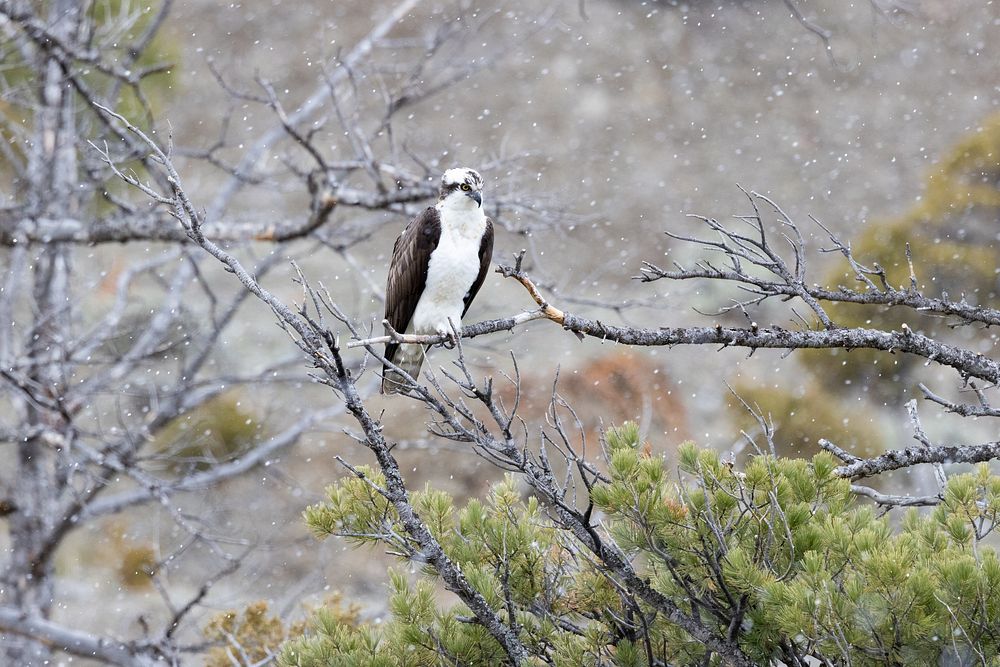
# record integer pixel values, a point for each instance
(163, 489)
(911, 456)
(893, 500)
(321, 349)
(738, 249)
(348, 62)
(76, 642)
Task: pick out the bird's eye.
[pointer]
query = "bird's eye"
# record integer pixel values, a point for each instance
(466, 187)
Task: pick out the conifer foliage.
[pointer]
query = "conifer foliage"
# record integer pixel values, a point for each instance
(777, 555)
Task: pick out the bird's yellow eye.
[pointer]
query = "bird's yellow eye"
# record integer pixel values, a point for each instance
(466, 187)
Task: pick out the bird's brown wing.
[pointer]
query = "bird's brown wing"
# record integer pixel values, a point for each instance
(408, 271)
(485, 258)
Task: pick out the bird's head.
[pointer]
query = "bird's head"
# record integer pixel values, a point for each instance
(462, 187)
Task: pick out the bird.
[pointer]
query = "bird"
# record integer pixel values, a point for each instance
(439, 263)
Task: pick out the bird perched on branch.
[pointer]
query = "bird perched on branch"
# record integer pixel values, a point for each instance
(438, 264)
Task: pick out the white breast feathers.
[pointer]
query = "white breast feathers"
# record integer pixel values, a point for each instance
(453, 267)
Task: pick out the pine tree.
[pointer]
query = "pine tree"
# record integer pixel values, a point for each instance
(778, 555)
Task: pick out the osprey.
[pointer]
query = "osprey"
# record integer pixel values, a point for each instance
(438, 264)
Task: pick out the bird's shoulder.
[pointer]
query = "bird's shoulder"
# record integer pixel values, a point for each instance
(426, 226)
(420, 233)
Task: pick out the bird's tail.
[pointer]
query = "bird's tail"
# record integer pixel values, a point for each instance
(407, 357)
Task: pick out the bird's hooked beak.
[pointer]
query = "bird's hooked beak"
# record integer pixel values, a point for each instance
(476, 196)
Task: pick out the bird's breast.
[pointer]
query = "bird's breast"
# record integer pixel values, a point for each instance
(453, 267)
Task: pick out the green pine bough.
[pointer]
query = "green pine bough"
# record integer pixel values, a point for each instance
(776, 555)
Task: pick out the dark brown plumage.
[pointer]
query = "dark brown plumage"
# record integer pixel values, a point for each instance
(408, 272)
(485, 256)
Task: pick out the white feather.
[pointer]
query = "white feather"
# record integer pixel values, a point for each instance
(456, 175)
(453, 267)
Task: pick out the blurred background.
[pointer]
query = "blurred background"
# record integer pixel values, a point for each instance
(598, 126)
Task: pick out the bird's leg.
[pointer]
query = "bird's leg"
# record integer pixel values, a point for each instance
(449, 342)
(451, 332)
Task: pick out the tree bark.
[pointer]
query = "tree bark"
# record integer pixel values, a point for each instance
(53, 178)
